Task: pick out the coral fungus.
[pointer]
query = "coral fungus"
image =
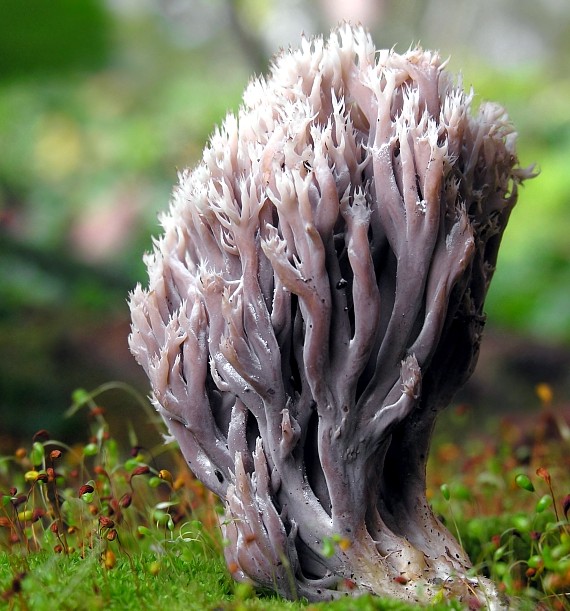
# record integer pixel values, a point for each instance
(316, 299)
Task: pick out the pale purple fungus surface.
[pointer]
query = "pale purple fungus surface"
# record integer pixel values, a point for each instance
(315, 299)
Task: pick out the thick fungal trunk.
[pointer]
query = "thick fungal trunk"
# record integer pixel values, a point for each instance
(315, 300)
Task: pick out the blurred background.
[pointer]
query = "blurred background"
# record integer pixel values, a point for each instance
(101, 102)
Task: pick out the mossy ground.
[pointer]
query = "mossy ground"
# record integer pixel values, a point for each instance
(96, 526)
(180, 580)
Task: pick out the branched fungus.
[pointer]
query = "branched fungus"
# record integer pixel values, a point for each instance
(316, 299)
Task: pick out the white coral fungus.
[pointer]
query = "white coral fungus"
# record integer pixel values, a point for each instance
(315, 299)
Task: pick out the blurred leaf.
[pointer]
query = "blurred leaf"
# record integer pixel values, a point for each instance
(51, 37)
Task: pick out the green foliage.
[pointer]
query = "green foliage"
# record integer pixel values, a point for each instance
(85, 523)
(89, 139)
(37, 37)
(66, 581)
(96, 525)
(504, 500)
(529, 290)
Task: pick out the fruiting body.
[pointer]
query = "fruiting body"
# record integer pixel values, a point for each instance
(315, 300)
